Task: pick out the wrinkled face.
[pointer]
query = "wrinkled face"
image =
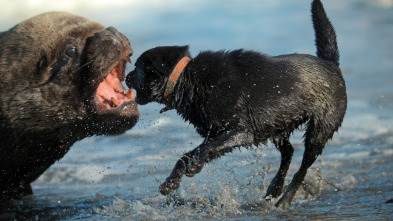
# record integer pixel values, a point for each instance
(65, 78)
(104, 60)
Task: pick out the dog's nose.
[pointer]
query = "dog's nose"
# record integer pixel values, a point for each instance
(135, 79)
(129, 80)
(132, 81)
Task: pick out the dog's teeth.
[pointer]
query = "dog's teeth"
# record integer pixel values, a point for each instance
(128, 60)
(120, 91)
(114, 102)
(130, 94)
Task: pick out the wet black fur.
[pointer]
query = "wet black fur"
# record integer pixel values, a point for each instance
(243, 98)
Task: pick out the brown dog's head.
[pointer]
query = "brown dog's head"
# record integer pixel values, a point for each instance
(60, 72)
(152, 70)
(60, 81)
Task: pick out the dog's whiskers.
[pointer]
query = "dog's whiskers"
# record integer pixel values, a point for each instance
(82, 66)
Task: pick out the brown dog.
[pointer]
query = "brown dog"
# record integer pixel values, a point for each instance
(60, 80)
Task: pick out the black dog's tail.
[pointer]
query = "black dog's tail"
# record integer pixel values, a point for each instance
(325, 35)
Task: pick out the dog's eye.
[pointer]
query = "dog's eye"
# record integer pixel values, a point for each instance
(71, 52)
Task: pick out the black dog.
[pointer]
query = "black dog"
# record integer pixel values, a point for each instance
(243, 98)
(60, 80)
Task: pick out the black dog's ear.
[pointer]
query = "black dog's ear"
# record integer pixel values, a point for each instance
(163, 59)
(186, 51)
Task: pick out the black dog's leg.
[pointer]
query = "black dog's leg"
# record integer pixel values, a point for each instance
(315, 140)
(275, 188)
(173, 181)
(192, 162)
(297, 180)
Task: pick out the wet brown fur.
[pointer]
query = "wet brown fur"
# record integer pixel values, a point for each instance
(46, 93)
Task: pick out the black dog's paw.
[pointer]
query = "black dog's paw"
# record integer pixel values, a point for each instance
(268, 198)
(169, 185)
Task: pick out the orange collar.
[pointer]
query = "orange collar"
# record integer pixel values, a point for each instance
(170, 85)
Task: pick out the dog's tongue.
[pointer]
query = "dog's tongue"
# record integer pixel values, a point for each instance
(111, 92)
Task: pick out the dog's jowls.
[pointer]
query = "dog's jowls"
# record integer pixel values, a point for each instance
(243, 98)
(60, 80)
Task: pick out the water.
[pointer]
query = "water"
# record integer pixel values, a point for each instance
(117, 178)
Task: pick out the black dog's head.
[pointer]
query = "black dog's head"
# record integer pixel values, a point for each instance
(152, 70)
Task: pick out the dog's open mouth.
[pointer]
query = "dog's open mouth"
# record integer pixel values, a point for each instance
(110, 93)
